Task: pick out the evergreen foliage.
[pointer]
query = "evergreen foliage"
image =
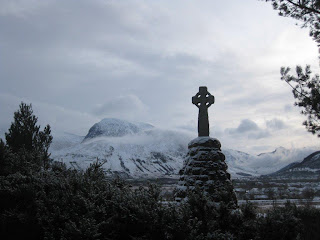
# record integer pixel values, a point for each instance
(2, 157)
(306, 89)
(60, 203)
(306, 11)
(25, 143)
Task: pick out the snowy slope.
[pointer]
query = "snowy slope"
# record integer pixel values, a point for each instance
(64, 140)
(153, 153)
(270, 162)
(239, 163)
(310, 166)
(141, 150)
(112, 127)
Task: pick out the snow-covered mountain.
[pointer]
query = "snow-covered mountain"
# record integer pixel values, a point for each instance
(111, 127)
(309, 167)
(266, 163)
(242, 164)
(128, 149)
(141, 150)
(64, 140)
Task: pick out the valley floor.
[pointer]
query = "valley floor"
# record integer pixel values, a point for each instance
(263, 192)
(267, 204)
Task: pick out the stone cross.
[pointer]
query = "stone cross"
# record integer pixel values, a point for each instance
(203, 99)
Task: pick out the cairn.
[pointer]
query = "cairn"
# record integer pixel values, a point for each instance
(204, 166)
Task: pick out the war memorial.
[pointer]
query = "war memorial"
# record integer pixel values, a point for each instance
(204, 166)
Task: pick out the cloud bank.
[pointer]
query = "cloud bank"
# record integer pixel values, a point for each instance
(80, 61)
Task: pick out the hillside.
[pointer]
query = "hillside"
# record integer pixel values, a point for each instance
(308, 167)
(142, 150)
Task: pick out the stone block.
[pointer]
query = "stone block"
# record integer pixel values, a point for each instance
(205, 167)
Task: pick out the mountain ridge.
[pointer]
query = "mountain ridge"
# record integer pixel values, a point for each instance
(150, 152)
(113, 127)
(308, 167)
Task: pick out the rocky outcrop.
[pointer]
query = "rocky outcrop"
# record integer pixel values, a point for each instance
(205, 168)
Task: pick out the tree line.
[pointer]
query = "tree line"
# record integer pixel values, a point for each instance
(43, 199)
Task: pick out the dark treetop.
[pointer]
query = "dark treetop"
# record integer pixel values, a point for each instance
(203, 99)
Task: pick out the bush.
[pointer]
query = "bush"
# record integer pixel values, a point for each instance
(60, 203)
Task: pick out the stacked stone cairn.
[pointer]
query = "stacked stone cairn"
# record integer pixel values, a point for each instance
(205, 168)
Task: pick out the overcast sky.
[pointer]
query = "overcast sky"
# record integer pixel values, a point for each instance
(142, 60)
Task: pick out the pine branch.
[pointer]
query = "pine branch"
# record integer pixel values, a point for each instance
(301, 94)
(304, 7)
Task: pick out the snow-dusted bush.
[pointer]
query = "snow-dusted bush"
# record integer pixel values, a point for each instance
(54, 202)
(60, 203)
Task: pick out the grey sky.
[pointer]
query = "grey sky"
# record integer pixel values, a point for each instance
(142, 60)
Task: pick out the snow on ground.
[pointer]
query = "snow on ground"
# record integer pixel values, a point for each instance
(141, 150)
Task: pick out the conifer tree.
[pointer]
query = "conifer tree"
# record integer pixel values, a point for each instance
(24, 135)
(305, 89)
(2, 157)
(306, 11)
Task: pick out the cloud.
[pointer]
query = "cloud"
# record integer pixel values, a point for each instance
(128, 107)
(20, 8)
(144, 60)
(246, 125)
(259, 134)
(288, 108)
(60, 119)
(275, 124)
(248, 129)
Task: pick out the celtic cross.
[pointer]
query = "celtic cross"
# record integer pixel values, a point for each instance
(203, 99)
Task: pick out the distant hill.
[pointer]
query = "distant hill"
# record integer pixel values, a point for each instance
(140, 150)
(308, 167)
(112, 127)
